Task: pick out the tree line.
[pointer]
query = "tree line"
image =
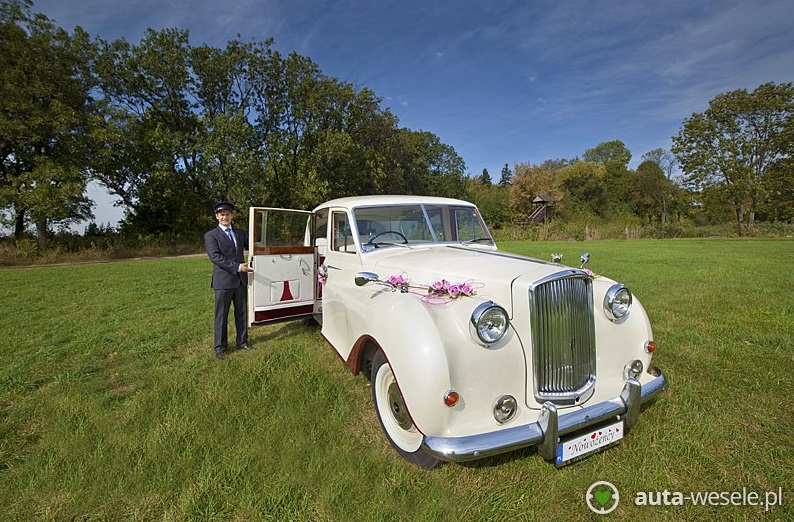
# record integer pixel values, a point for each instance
(169, 128)
(736, 157)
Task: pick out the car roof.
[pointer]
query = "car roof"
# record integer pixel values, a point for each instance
(364, 201)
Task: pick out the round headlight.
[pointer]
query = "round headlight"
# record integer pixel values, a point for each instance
(490, 322)
(617, 303)
(504, 408)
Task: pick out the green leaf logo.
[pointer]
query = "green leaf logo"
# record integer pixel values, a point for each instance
(602, 497)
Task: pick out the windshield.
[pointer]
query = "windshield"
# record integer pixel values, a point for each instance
(416, 224)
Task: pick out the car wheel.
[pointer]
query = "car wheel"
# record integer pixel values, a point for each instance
(394, 416)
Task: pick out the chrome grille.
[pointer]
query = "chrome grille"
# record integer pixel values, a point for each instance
(563, 337)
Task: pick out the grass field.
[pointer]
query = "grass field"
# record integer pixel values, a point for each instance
(114, 408)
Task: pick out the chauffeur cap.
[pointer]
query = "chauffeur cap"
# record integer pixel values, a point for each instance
(224, 205)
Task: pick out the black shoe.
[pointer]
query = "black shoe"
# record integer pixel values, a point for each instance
(245, 347)
(219, 355)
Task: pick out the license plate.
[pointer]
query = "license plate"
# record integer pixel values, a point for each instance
(589, 442)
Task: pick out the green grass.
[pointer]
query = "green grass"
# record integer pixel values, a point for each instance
(114, 408)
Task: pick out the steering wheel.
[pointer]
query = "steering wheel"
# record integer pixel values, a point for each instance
(376, 236)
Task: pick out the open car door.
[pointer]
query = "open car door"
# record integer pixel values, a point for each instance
(284, 281)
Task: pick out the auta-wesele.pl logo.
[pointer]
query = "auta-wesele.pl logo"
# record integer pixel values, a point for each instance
(602, 498)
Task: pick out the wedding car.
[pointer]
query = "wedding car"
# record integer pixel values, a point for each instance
(470, 351)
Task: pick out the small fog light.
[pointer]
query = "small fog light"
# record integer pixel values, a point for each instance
(504, 408)
(650, 346)
(633, 369)
(451, 398)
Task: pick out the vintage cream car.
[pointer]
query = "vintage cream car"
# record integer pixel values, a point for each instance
(470, 351)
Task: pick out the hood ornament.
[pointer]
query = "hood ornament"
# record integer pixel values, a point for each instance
(585, 258)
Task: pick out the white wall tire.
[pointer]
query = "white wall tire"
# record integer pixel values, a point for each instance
(394, 416)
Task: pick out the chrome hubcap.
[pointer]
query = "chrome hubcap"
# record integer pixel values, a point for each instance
(397, 407)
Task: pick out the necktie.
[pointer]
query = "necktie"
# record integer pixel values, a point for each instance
(230, 235)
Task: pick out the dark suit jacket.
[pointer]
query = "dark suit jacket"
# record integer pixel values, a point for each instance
(225, 258)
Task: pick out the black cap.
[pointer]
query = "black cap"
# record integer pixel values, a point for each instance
(224, 205)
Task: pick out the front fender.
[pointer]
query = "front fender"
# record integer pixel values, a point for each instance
(405, 329)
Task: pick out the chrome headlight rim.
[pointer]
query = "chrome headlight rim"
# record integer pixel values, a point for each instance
(633, 369)
(490, 323)
(617, 303)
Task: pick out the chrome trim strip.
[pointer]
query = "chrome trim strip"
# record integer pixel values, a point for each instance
(499, 253)
(461, 449)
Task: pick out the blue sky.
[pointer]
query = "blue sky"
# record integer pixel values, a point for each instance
(501, 81)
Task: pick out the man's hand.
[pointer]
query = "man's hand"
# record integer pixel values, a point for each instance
(245, 268)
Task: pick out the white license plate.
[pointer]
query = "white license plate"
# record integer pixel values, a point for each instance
(584, 444)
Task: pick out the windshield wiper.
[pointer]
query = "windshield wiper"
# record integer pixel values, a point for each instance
(478, 240)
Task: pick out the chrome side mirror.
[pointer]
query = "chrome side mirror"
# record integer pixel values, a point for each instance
(585, 259)
(362, 278)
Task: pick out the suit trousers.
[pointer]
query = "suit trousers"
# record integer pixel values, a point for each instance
(224, 298)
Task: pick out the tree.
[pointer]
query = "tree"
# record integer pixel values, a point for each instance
(556, 164)
(612, 154)
(778, 205)
(45, 121)
(736, 142)
(188, 126)
(153, 156)
(485, 178)
(231, 156)
(583, 186)
(506, 177)
(650, 191)
(492, 200)
(441, 165)
(173, 128)
(615, 158)
(664, 159)
(529, 182)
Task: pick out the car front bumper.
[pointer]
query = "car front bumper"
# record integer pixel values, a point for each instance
(546, 431)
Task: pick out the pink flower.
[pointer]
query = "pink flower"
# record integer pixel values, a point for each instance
(444, 288)
(397, 280)
(322, 274)
(438, 286)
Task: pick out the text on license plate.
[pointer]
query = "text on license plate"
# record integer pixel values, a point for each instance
(583, 444)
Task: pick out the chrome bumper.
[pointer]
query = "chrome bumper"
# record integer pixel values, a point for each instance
(549, 427)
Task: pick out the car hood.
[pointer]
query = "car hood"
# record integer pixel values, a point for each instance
(491, 272)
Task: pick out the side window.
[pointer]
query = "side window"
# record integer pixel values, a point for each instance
(321, 224)
(342, 240)
(279, 231)
(284, 228)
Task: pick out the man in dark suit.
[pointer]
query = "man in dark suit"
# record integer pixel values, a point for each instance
(225, 246)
